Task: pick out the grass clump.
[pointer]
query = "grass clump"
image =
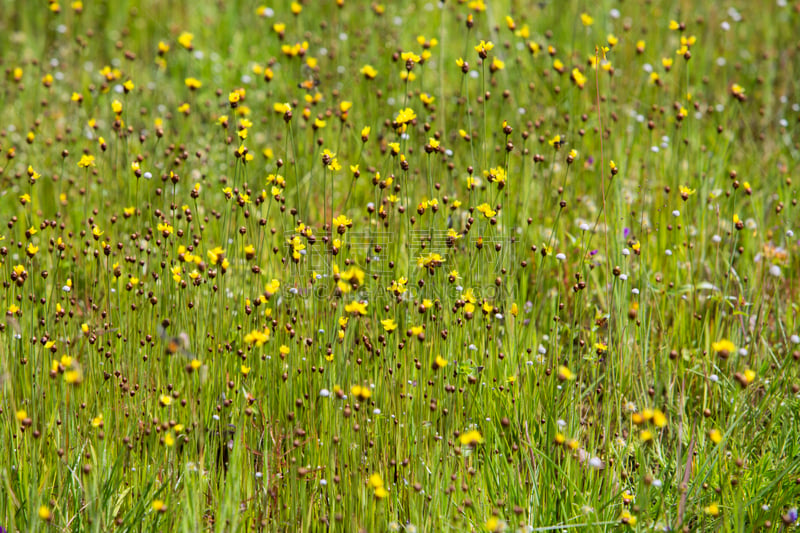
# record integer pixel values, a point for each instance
(414, 266)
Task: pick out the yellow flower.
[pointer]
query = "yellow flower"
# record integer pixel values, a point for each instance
(659, 418)
(486, 210)
(381, 493)
(627, 518)
(97, 422)
(493, 524)
(586, 19)
(471, 438)
(165, 400)
(712, 509)
(185, 40)
(193, 83)
(578, 77)
(244, 370)
(439, 362)
(375, 480)
(646, 435)
(483, 48)
(356, 308)
(86, 161)
(431, 260)
(686, 192)
(73, 377)
(169, 440)
(158, 506)
(389, 325)
(410, 56)
(369, 72)
(565, 373)
(723, 346)
(21, 415)
(282, 108)
(44, 513)
(257, 338)
(426, 98)
(715, 435)
(405, 115)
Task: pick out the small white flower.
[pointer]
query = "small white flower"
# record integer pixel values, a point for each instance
(596, 463)
(324, 393)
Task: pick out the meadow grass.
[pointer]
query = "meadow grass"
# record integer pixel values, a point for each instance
(411, 266)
